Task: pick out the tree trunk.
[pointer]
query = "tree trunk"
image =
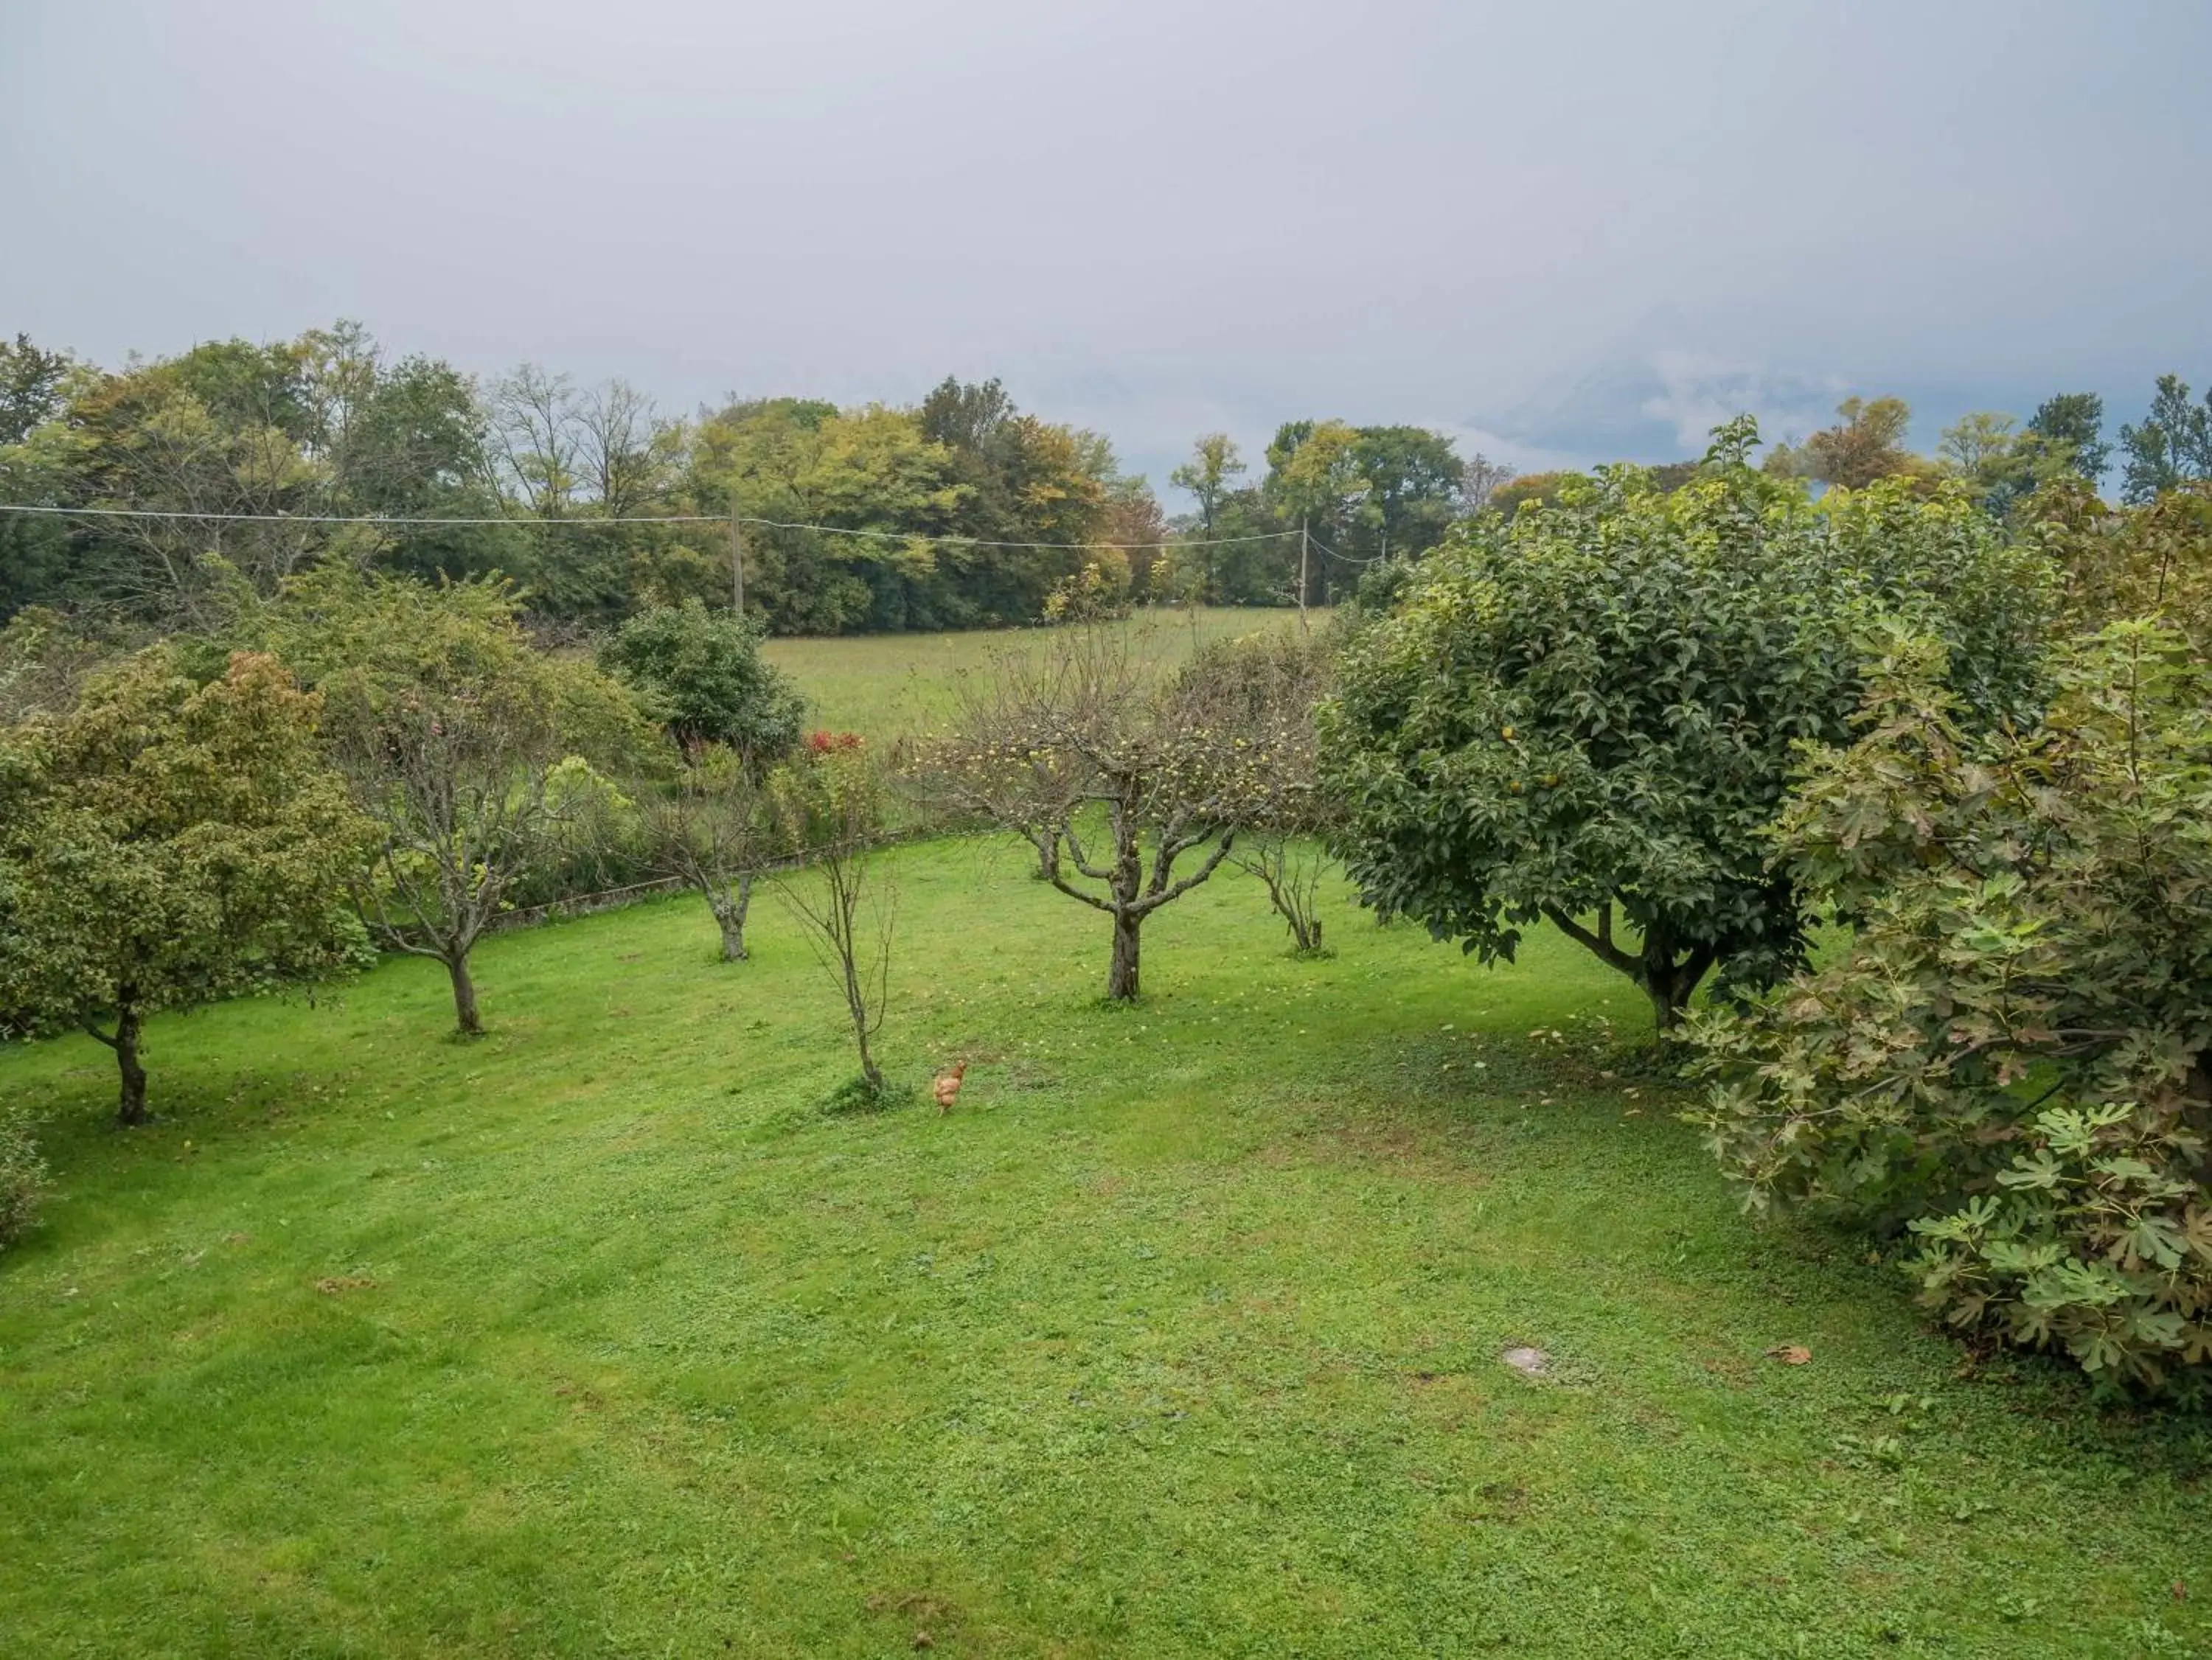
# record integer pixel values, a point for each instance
(730, 917)
(1122, 979)
(869, 1070)
(1670, 986)
(130, 1108)
(464, 996)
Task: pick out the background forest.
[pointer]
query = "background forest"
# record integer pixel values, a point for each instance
(960, 511)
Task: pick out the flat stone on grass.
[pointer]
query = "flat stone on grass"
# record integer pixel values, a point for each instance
(1530, 1362)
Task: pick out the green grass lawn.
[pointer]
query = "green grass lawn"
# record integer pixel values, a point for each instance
(883, 685)
(1180, 1336)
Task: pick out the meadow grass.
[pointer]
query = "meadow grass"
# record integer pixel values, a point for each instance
(1180, 1336)
(885, 686)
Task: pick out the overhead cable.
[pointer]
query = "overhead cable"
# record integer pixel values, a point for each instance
(401, 523)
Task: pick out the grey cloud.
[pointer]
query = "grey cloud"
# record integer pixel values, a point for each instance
(1150, 217)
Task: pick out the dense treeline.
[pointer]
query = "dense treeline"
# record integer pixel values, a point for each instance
(960, 511)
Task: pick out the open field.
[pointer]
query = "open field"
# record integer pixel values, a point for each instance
(883, 685)
(1180, 1336)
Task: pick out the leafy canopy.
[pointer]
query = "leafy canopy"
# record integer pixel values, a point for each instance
(701, 675)
(166, 844)
(1587, 713)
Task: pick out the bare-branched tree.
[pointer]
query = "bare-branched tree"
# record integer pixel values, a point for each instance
(537, 432)
(1113, 775)
(712, 830)
(1480, 478)
(828, 812)
(1267, 686)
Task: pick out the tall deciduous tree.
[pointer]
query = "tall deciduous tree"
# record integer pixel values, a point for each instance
(1588, 714)
(1866, 443)
(1480, 479)
(2071, 426)
(165, 844)
(31, 380)
(2170, 446)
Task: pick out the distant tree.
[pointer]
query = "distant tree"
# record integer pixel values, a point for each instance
(537, 428)
(701, 674)
(1017, 479)
(165, 844)
(30, 382)
(1541, 487)
(2172, 446)
(1588, 713)
(873, 471)
(1866, 444)
(967, 418)
(1979, 446)
(296, 433)
(469, 749)
(828, 808)
(1209, 476)
(1480, 478)
(1413, 480)
(1315, 483)
(1134, 522)
(2072, 425)
(2063, 442)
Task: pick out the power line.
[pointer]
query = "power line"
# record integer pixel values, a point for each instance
(381, 521)
(1348, 558)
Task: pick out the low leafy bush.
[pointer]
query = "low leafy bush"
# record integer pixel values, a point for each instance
(859, 1094)
(2011, 1060)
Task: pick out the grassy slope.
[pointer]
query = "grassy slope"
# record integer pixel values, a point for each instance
(1181, 1336)
(883, 685)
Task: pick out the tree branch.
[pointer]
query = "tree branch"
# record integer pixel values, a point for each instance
(1599, 945)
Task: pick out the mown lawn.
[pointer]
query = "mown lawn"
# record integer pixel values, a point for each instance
(1181, 1336)
(885, 686)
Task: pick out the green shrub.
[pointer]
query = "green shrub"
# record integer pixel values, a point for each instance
(2011, 1060)
(701, 675)
(23, 1175)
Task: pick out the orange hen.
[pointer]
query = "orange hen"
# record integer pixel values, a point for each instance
(947, 1088)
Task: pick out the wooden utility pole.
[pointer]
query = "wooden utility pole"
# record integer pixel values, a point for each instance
(1305, 543)
(737, 558)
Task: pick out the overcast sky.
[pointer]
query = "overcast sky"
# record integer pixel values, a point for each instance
(1571, 229)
